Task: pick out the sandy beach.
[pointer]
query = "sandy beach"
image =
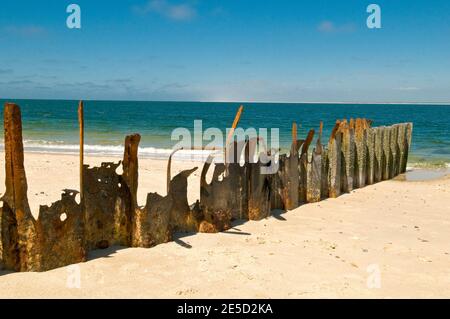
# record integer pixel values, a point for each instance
(387, 240)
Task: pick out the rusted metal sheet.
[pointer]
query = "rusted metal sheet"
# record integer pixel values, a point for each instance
(152, 222)
(237, 180)
(60, 230)
(163, 215)
(218, 200)
(108, 213)
(334, 162)
(108, 207)
(258, 192)
(226, 197)
(181, 218)
(9, 257)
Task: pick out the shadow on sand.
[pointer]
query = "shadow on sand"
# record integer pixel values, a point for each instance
(177, 239)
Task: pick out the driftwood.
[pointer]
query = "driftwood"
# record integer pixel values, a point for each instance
(108, 213)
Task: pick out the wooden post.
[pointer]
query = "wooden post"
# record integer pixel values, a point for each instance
(408, 137)
(402, 146)
(387, 156)
(303, 168)
(378, 154)
(233, 127)
(294, 135)
(314, 171)
(289, 174)
(348, 155)
(334, 158)
(393, 150)
(361, 151)
(81, 124)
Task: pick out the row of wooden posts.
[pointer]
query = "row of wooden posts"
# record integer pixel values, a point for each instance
(108, 213)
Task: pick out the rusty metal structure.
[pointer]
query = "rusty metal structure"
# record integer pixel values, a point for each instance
(108, 213)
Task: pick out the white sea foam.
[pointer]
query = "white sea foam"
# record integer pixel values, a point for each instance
(61, 147)
(41, 146)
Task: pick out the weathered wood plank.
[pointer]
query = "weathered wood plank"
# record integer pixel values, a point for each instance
(378, 158)
(334, 162)
(303, 168)
(314, 184)
(361, 151)
(387, 155)
(348, 155)
(370, 145)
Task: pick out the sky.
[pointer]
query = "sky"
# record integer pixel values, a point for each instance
(229, 50)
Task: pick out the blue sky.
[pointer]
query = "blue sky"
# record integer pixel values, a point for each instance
(210, 50)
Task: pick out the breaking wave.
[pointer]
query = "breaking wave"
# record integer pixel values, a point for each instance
(60, 147)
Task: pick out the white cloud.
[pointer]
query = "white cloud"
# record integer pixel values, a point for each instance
(6, 71)
(178, 12)
(409, 88)
(327, 26)
(24, 31)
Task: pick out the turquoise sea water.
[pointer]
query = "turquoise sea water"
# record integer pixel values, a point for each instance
(52, 125)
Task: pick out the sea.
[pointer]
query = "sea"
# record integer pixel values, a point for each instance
(51, 126)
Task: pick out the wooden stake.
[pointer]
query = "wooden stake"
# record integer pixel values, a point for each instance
(235, 123)
(233, 127)
(81, 123)
(294, 136)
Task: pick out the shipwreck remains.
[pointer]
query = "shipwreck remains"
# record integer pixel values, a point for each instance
(107, 212)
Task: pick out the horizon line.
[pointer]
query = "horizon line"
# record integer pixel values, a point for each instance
(236, 101)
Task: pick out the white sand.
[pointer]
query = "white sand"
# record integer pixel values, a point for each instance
(399, 230)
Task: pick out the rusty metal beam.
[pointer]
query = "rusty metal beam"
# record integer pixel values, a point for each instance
(130, 165)
(15, 201)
